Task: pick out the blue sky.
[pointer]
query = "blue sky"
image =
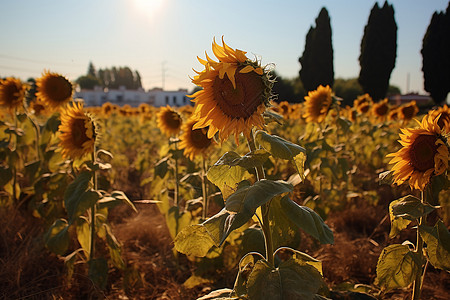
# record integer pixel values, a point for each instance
(159, 37)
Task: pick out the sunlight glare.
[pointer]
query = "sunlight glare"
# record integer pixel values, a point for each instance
(148, 7)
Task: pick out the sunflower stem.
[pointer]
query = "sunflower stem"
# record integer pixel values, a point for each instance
(265, 224)
(418, 281)
(177, 187)
(93, 211)
(204, 190)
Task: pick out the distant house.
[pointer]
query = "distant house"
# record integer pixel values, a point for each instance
(155, 97)
(421, 100)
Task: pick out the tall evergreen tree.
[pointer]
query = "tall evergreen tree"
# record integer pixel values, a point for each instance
(436, 56)
(378, 51)
(317, 58)
(91, 70)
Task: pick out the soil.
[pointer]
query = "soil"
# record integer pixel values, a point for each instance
(29, 271)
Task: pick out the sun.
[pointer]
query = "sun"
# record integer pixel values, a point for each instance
(148, 7)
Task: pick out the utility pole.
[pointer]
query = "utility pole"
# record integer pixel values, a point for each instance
(163, 69)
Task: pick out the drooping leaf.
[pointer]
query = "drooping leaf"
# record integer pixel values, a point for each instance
(193, 240)
(285, 232)
(397, 223)
(283, 149)
(227, 172)
(308, 220)
(98, 271)
(386, 177)
(78, 198)
(248, 199)
(84, 235)
(411, 208)
(57, 237)
(161, 167)
(115, 251)
(437, 239)
(116, 198)
(397, 267)
(291, 280)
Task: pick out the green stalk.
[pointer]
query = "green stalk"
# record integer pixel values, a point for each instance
(204, 190)
(177, 187)
(93, 211)
(265, 224)
(418, 281)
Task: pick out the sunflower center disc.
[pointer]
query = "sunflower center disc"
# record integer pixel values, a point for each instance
(199, 138)
(173, 120)
(58, 89)
(422, 152)
(79, 133)
(242, 101)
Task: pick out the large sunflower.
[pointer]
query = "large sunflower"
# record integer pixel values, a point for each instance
(77, 132)
(169, 121)
(236, 92)
(424, 154)
(317, 104)
(12, 92)
(54, 89)
(194, 141)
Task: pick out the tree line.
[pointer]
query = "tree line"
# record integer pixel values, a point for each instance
(111, 78)
(378, 54)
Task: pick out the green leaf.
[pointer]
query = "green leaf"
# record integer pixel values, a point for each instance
(397, 267)
(271, 116)
(78, 198)
(98, 272)
(57, 237)
(194, 240)
(176, 221)
(116, 198)
(291, 280)
(284, 231)
(303, 258)
(437, 239)
(161, 167)
(308, 220)
(84, 235)
(397, 223)
(115, 251)
(386, 177)
(411, 208)
(248, 199)
(283, 149)
(227, 172)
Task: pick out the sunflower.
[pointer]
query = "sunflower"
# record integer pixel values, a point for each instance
(194, 141)
(12, 92)
(77, 132)
(363, 103)
(317, 104)
(236, 92)
(394, 114)
(380, 110)
(54, 89)
(169, 121)
(424, 154)
(443, 117)
(408, 111)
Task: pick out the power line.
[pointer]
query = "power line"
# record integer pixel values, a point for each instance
(37, 61)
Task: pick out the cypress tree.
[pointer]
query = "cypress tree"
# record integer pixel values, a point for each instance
(317, 58)
(378, 51)
(436, 56)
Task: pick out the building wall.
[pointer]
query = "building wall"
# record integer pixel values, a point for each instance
(122, 96)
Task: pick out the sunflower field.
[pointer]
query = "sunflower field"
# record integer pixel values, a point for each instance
(234, 197)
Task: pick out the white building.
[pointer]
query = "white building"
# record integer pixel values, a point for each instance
(155, 97)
